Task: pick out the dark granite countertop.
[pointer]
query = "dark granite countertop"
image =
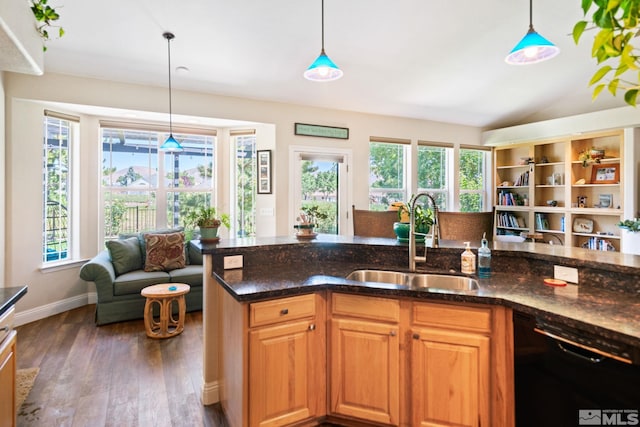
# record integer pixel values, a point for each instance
(593, 307)
(9, 296)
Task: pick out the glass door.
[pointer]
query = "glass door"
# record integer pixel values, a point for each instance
(320, 188)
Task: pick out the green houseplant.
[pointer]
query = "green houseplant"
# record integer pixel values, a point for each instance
(208, 220)
(308, 220)
(617, 24)
(423, 221)
(45, 16)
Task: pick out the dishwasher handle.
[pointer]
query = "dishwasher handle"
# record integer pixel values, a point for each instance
(559, 340)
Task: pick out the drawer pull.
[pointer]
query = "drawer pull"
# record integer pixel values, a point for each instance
(4, 328)
(392, 333)
(312, 327)
(284, 311)
(416, 336)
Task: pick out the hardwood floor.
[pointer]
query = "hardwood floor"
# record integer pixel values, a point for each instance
(112, 375)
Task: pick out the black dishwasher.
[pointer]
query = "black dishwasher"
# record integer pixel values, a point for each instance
(568, 377)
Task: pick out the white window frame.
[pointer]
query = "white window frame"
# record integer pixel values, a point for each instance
(73, 190)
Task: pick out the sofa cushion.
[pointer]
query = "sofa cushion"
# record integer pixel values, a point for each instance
(125, 255)
(191, 275)
(195, 256)
(134, 281)
(143, 244)
(165, 252)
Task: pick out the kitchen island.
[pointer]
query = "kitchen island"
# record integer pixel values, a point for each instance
(605, 303)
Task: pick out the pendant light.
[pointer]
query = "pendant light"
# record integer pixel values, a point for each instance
(533, 48)
(171, 145)
(323, 69)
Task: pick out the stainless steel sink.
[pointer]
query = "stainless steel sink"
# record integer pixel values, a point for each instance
(391, 277)
(443, 281)
(416, 281)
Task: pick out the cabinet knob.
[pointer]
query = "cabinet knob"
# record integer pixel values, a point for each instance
(284, 311)
(416, 336)
(392, 333)
(312, 327)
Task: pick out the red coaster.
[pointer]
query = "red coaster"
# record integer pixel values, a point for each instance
(555, 282)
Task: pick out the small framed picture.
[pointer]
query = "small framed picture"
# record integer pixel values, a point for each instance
(264, 171)
(605, 201)
(605, 173)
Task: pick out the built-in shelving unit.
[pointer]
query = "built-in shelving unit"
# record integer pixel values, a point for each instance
(545, 187)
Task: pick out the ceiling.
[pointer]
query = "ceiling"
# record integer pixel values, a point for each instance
(425, 59)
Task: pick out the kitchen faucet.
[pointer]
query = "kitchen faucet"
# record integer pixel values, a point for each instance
(412, 231)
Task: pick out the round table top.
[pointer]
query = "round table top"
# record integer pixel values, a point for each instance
(165, 290)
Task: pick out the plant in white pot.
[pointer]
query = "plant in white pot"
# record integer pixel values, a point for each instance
(207, 219)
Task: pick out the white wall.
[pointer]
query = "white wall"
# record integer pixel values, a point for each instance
(61, 289)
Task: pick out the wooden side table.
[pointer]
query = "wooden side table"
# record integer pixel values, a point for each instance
(164, 295)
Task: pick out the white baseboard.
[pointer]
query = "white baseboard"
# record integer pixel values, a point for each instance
(28, 316)
(210, 393)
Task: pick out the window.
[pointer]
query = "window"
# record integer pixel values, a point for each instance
(434, 171)
(144, 188)
(245, 148)
(57, 191)
(473, 173)
(390, 178)
(387, 172)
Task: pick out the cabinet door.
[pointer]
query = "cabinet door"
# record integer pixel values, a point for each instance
(8, 381)
(282, 373)
(450, 376)
(364, 370)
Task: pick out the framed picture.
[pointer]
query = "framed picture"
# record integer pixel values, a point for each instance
(264, 171)
(321, 131)
(605, 201)
(605, 173)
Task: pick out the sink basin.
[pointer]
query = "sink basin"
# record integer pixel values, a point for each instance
(416, 281)
(392, 277)
(443, 281)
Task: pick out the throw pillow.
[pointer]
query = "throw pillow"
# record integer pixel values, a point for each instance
(165, 252)
(125, 254)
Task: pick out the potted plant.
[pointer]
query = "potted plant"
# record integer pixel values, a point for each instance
(207, 219)
(308, 221)
(423, 221)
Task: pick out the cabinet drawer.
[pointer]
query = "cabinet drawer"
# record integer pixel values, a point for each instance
(376, 308)
(282, 310)
(452, 316)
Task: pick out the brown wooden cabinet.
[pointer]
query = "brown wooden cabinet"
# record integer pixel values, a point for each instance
(392, 361)
(275, 373)
(460, 366)
(8, 381)
(365, 358)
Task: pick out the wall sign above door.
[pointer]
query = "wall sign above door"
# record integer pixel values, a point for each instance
(321, 131)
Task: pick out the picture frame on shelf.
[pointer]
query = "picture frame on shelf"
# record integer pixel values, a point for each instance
(264, 171)
(605, 173)
(605, 201)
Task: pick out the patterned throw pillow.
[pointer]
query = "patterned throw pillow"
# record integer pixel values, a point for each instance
(165, 252)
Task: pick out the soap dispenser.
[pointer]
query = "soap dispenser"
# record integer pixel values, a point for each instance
(484, 258)
(468, 260)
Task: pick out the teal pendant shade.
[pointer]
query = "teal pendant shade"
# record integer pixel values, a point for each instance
(323, 69)
(533, 48)
(171, 145)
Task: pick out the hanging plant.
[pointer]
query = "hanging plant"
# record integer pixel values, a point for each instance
(617, 23)
(45, 16)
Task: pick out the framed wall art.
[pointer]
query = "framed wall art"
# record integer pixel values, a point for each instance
(608, 173)
(264, 171)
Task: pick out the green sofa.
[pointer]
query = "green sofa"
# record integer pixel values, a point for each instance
(120, 279)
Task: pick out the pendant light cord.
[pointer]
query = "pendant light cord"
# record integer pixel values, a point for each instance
(323, 26)
(531, 15)
(169, 37)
